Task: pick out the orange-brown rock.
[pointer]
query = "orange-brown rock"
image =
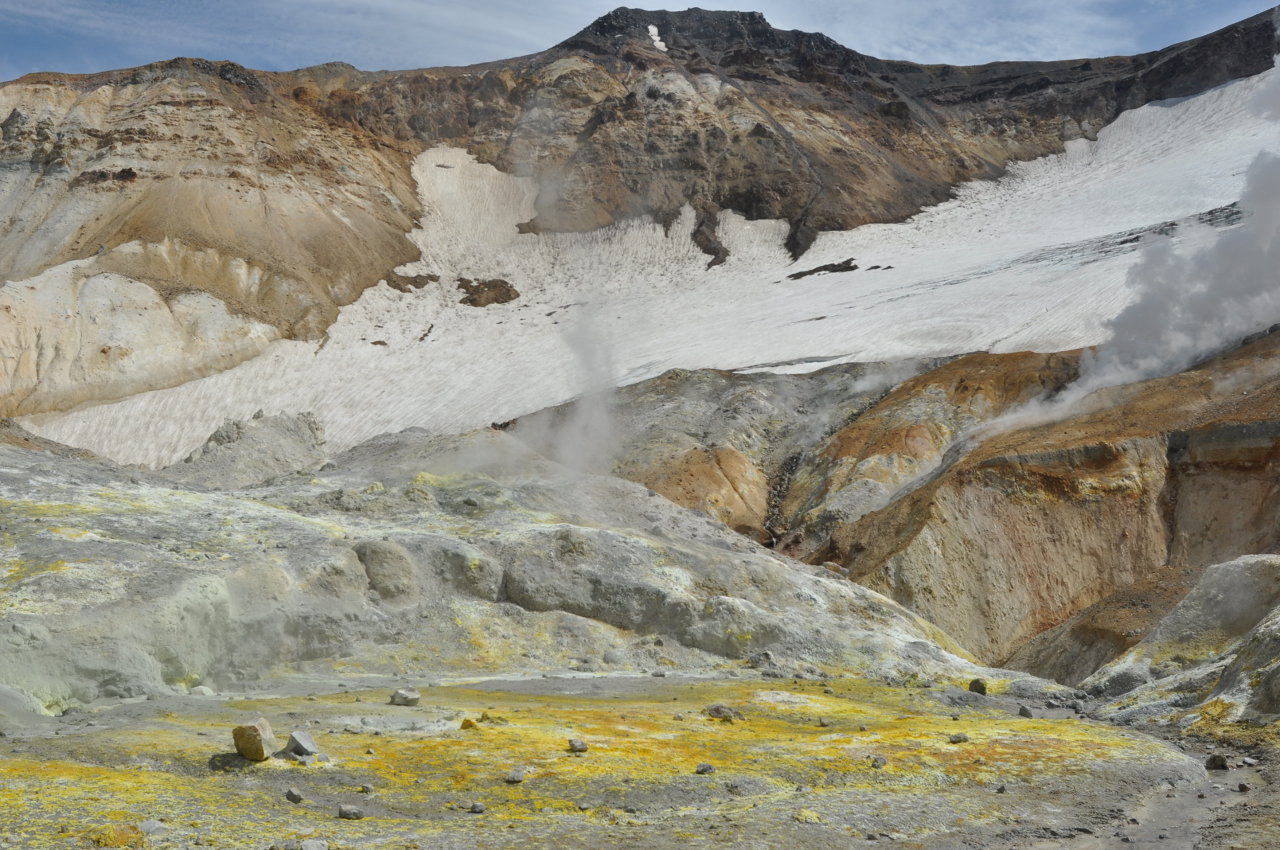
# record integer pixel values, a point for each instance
(255, 741)
(861, 467)
(720, 481)
(1034, 525)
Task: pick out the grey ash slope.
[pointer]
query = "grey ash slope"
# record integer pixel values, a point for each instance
(406, 553)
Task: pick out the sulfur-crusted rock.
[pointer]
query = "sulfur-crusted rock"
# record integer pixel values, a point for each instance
(255, 741)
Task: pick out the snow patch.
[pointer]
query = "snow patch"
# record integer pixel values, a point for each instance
(1036, 260)
(657, 40)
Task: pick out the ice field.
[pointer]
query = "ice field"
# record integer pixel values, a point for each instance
(1035, 260)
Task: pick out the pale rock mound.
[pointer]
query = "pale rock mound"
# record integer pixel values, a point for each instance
(242, 454)
(407, 553)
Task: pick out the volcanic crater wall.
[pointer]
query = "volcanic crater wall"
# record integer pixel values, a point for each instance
(283, 196)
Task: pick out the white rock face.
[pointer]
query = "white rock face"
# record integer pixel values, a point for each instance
(71, 336)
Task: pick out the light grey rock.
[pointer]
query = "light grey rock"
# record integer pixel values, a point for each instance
(1224, 641)
(346, 812)
(406, 697)
(390, 568)
(244, 453)
(301, 844)
(301, 744)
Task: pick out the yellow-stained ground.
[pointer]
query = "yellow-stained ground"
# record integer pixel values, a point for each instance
(795, 746)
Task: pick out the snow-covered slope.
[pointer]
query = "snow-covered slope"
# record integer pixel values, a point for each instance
(1036, 260)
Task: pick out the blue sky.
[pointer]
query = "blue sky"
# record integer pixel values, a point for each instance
(80, 36)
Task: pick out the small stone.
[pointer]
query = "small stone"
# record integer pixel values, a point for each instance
(1249, 762)
(293, 795)
(366, 789)
(1001, 790)
(1217, 761)
(301, 744)
(878, 762)
(862, 727)
(722, 712)
(1244, 787)
(823, 722)
(659, 674)
(468, 723)
(577, 745)
(350, 813)
(704, 768)
(978, 686)
(369, 751)
(255, 741)
(514, 777)
(828, 690)
(406, 696)
(1023, 711)
(476, 808)
(959, 738)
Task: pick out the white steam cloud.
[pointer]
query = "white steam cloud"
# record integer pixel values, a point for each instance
(1191, 305)
(586, 439)
(580, 434)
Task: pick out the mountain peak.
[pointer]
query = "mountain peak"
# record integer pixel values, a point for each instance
(701, 28)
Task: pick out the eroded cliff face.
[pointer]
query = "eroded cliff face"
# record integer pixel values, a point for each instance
(171, 221)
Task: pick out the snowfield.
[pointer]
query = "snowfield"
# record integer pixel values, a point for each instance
(1035, 260)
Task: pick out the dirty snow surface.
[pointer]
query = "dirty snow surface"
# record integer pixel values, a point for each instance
(1035, 260)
